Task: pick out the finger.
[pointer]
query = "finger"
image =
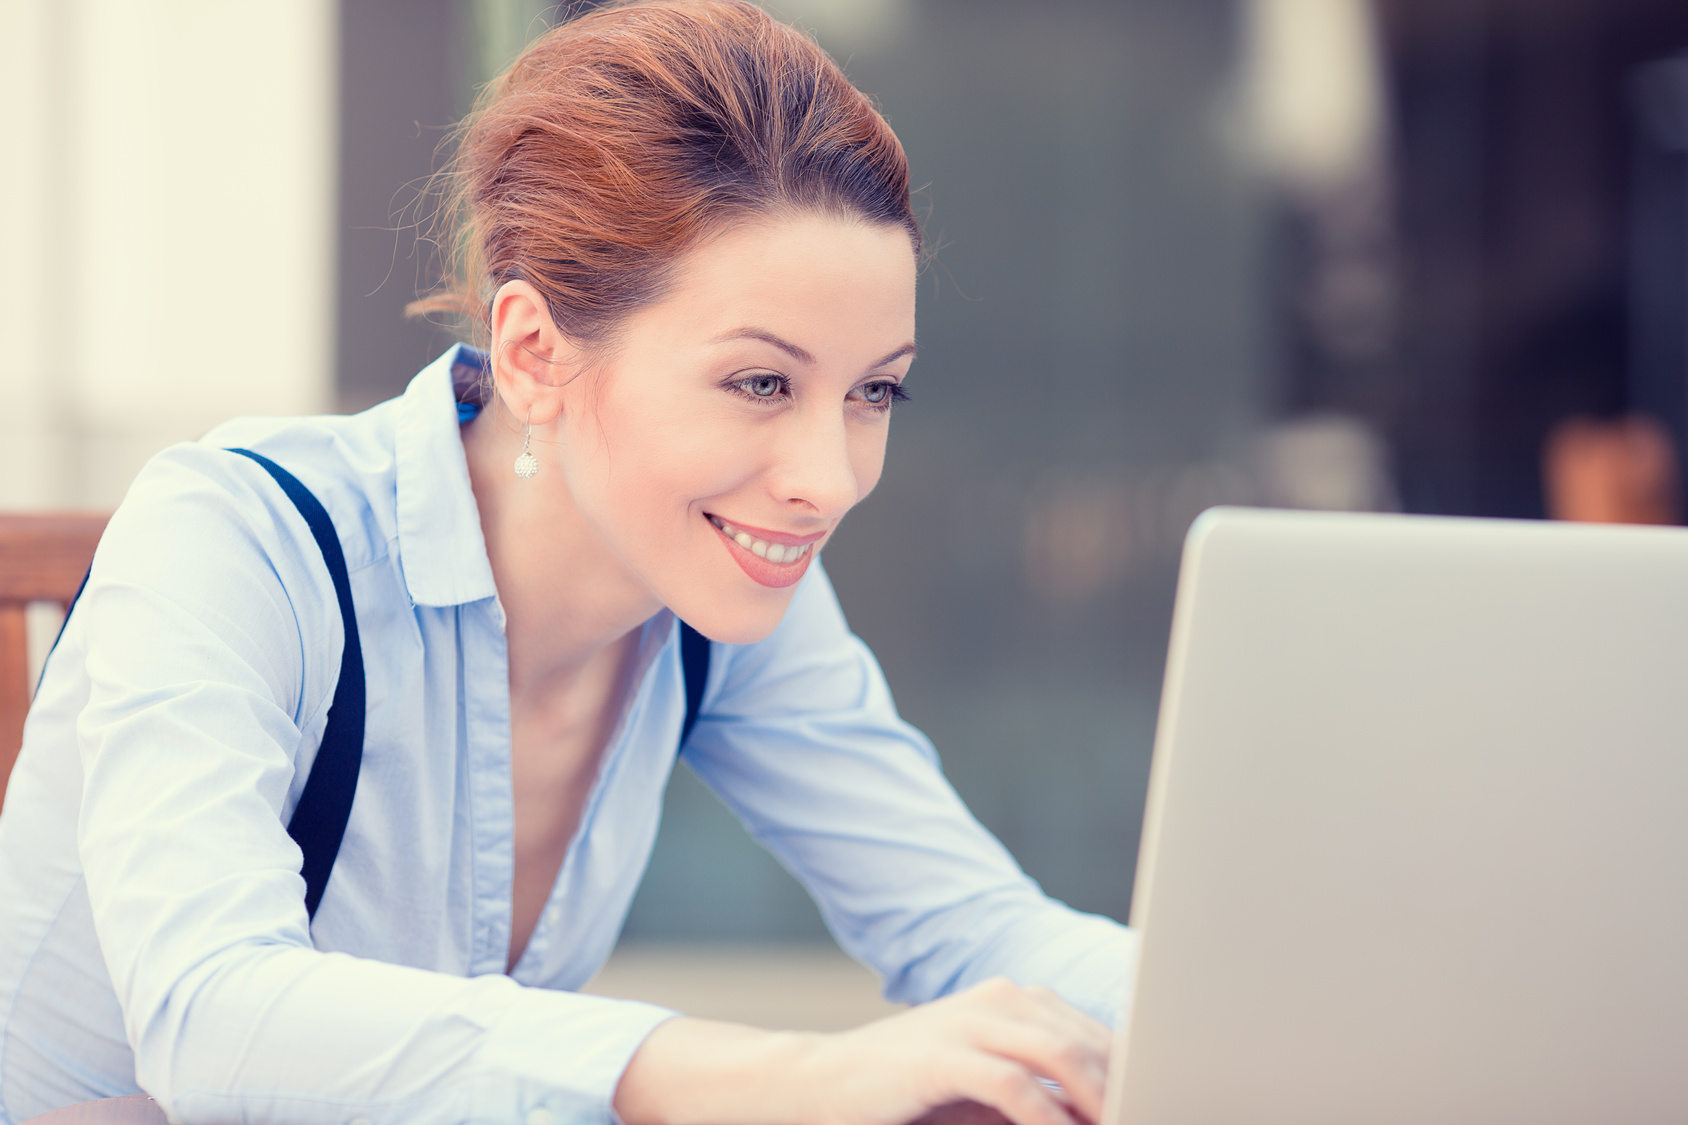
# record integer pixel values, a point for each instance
(1035, 1027)
(1011, 1090)
(1079, 1116)
(1081, 1070)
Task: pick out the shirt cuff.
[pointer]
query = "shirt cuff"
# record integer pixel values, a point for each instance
(556, 1057)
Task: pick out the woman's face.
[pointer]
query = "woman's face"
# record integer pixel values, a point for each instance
(744, 414)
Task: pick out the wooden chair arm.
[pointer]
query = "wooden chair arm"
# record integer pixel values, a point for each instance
(43, 556)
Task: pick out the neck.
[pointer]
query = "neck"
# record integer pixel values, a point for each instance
(567, 597)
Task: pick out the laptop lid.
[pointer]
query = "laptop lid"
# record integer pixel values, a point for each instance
(1416, 846)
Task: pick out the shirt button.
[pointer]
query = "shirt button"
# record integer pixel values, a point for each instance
(359, 1121)
(539, 1115)
(553, 915)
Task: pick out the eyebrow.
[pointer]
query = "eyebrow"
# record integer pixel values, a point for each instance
(906, 349)
(797, 353)
(785, 346)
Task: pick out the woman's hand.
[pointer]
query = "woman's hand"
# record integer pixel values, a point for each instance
(988, 1045)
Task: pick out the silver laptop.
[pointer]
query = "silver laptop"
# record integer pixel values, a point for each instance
(1416, 847)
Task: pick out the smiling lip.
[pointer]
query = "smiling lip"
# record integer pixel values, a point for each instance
(770, 558)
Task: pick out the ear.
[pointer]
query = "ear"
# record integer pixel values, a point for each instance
(532, 360)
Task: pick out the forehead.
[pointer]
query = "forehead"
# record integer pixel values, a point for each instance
(828, 284)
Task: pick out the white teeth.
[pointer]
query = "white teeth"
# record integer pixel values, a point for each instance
(773, 552)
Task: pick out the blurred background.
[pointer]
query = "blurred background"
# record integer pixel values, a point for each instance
(1416, 255)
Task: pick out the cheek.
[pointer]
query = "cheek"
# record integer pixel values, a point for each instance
(867, 456)
(637, 472)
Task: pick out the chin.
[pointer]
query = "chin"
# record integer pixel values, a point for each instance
(728, 598)
(735, 621)
(725, 605)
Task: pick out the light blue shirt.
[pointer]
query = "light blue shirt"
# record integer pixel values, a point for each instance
(153, 933)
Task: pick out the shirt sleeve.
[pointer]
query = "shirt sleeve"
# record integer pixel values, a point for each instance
(213, 643)
(799, 736)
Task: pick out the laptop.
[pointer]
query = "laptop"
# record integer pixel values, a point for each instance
(1416, 845)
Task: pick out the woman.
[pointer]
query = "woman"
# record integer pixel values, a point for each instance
(687, 241)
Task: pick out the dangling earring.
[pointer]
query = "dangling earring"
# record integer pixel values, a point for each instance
(527, 464)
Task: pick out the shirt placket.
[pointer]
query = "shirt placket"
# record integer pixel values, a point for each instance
(487, 743)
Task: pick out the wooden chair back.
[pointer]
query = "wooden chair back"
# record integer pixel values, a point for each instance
(43, 557)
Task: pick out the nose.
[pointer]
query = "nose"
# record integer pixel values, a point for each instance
(813, 473)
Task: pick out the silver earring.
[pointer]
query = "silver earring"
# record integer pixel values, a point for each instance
(526, 463)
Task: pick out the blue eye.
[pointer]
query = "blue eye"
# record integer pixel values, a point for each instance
(765, 388)
(882, 394)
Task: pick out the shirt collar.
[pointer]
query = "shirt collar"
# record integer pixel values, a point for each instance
(441, 548)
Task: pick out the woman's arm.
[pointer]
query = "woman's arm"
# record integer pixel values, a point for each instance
(799, 736)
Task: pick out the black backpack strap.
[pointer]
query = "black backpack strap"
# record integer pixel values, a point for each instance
(319, 820)
(63, 625)
(694, 673)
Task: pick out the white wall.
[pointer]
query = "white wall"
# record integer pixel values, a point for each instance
(166, 230)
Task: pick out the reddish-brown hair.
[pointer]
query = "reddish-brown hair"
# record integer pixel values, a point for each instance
(622, 139)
